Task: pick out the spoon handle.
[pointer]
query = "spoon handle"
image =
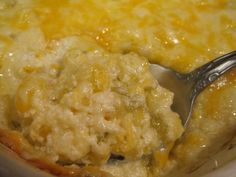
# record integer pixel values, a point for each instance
(208, 73)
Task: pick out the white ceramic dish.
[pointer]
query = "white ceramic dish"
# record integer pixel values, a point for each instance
(12, 166)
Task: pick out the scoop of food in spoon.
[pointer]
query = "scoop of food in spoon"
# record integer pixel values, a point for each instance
(186, 87)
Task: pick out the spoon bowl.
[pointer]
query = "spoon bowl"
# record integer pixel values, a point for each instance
(186, 87)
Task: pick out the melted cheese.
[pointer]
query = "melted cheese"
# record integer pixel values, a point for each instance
(179, 34)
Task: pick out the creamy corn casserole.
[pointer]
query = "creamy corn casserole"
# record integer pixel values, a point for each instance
(77, 97)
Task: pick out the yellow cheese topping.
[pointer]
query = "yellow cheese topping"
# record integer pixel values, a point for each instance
(181, 34)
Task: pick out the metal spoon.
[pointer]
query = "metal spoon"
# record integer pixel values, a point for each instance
(186, 87)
